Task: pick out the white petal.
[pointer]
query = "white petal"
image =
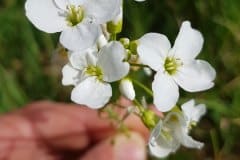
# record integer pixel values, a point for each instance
(174, 119)
(102, 10)
(160, 146)
(110, 60)
(81, 59)
(196, 76)
(165, 92)
(192, 112)
(92, 93)
(45, 15)
(81, 37)
(159, 151)
(187, 140)
(78, 60)
(127, 89)
(102, 41)
(91, 58)
(177, 123)
(119, 18)
(71, 76)
(64, 3)
(152, 50)
(188, 43)
(199, 112)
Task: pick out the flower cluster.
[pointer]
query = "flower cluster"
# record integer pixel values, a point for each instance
(97, 58)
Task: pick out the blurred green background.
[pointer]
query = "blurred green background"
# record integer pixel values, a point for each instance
(30, 64)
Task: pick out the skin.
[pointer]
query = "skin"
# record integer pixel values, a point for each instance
(57, 131)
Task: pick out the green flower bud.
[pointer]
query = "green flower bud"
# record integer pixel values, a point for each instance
(133, 47)
(113, 27)
(149, 118)
(125, 42)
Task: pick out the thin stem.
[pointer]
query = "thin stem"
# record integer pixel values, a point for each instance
(138, 105)
(138, 65)
(143, 87)
(113, 37)
(215, 144)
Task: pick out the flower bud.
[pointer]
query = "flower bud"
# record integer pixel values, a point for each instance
(149, 118)
(127, 89)
(115, 26)
(133, 47)
(148, 71)
(125, 42)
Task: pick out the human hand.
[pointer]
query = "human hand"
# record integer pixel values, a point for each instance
(56, 131)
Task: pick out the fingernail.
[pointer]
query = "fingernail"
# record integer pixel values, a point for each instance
(129, 147)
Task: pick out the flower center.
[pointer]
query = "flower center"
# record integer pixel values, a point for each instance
(192, 124)
(171, 65)
(166, 134)
(94, 71)
(75, 15)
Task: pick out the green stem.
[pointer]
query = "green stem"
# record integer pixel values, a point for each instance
(215, 144)
(138, 65)
(143, 87)
(113, 37)
(138, 105)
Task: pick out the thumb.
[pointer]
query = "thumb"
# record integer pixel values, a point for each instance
(119, 147)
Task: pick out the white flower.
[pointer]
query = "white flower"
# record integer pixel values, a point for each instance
(175, 66)
(127, 89)
(172, 132)
(78, 20)
(139, 0)
(192, 112)
(91, 73)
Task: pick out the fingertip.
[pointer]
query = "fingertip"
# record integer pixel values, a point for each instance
(130, 148)
(119, 147)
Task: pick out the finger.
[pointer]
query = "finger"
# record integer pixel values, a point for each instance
(66, 125)
(119, 147)
(17, 140)
(59, 125)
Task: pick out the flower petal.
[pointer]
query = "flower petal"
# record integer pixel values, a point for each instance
(152, 50)
(64, 3)
(102, 10)
(187, 140)
(193, 112)
(188, 43)
(92, 93)
(159, 151)
(110, 60)
(176, 122)
(165, 92)
(159, 145)
(78, 60)
(196, 76)
(81, 59)
(81, 37)
(45, 15)
(71, 76)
